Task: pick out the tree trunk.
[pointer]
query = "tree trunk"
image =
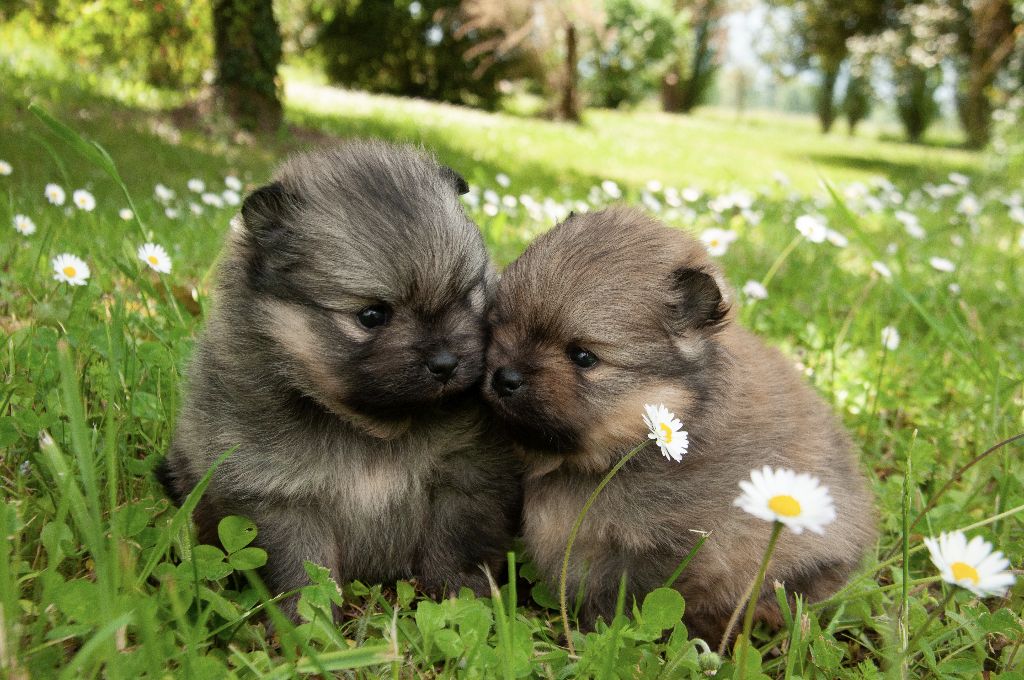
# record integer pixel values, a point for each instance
(826, 96)
(992, 30)
(682, 95)
(247, 50)
(569, 103)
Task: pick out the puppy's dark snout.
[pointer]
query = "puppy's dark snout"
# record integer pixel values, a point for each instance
(506, 381)
(442, 364)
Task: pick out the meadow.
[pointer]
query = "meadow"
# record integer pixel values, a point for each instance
(890, 273)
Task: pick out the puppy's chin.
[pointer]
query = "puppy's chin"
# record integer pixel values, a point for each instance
(538, 437)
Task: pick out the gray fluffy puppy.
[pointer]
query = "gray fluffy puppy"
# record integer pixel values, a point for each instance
(342, 359)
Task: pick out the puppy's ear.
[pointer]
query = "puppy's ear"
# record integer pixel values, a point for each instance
(455, 179)
(264, 212)
(698, 301)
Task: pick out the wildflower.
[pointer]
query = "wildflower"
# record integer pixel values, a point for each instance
(156, 257)
(212, 199)
(24, 225)
(231, 197)
(509, 201)
(196, 185)
(882, 269)
(83, 200)
(968, 206)
(781, 178)
(233, 183)
(797, 500)
(70, 269)
(959, 179)
(172, 213)
(755, 291)
(666, 431)
(163, 194)
(195, 208)
(691, 194)
(718, 240)
(502, 179)
(654, 186)
(55, 194)
(953, 288)
(890, 338)
(812, 227)
(970, 565)
(611, 188)
(911, 223)
(125, 214)
(942, 264)
(5, 168)
(836, 239)
(1017, 214)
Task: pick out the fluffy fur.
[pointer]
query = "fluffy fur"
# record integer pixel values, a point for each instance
(651, 306)
(363, 449)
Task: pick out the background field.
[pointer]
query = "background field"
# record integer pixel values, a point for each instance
(96, 578)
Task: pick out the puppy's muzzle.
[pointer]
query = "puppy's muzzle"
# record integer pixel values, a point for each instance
(506, 381)
(442, 365)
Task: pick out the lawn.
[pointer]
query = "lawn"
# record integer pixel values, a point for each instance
(99, 575)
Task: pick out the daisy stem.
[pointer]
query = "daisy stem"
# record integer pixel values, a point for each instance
(572, 539)
(780, 259)
(755, 595)
(928, 622)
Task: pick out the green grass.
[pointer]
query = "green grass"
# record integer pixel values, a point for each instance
(99, 575)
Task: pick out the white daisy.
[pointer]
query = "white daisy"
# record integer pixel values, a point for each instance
(942, 264)
(970, 565)
(233, 183)
(125, 214)
(755, 291)
(156, 257)
(213, 199)
(611, 188)
(5, 168)
(969, 206)
(195, 208)
(911, 223)
(231, 197)
(797, 500)
(162, 193)
(953, 288)
(502, 179)
(196, 185)
(55, 194)
(718, 240)
(882, 269)
(836, 239)
(83, 200)
(70, 269)
(691, 194)
(654, 186)
(172, 213)
(957, 178)
(812, 227)
(890, 338)
(24, 225)
(666, 431)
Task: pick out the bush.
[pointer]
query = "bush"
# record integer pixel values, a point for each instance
(639, 39)
(410, 48)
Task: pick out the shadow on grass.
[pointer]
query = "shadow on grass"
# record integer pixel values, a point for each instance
(906, 173)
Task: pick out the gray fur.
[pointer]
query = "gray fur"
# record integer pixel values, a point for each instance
(350, 453)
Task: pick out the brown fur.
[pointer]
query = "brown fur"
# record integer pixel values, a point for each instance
(653, 307)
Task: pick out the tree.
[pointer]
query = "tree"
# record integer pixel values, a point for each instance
(686, 83)
(857, 100)
(247, 51)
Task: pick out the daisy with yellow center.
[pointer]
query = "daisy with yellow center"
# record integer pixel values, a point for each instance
(798, 501)
(83, 200)
(5, 168)
(70, 269)
(156, 257)
(971, 565)
(666, 431)
(55, 194)
(24, 225)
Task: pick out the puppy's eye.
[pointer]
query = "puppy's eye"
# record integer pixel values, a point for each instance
(581, 357)
(374, 315)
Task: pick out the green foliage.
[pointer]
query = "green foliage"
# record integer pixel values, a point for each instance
(166, 44)
(915, 99)
(857, 101)
(640, 38)
(247, 45)
(409, 47)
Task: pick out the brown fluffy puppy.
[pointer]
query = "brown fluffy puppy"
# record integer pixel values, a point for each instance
(343, 359)
(610, 311)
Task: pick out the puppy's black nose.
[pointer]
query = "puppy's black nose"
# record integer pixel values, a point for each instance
(442, 364)
(506, 381)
